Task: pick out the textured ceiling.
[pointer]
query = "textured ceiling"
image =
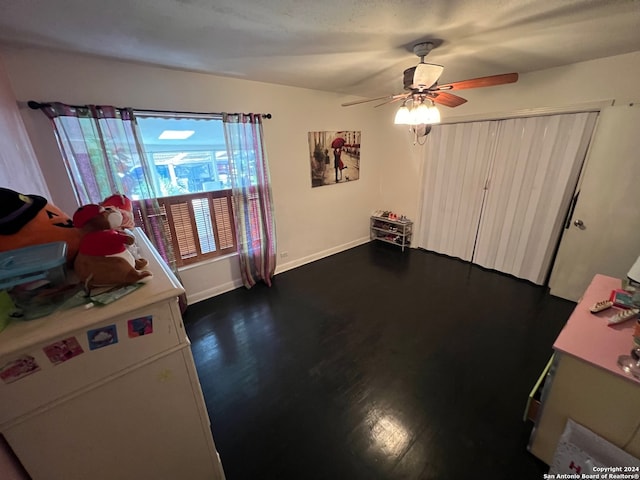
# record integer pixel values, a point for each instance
(358, 47)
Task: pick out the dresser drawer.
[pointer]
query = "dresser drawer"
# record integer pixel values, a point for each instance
(48, 372)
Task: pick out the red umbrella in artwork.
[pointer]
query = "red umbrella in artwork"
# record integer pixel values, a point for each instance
(338, 142)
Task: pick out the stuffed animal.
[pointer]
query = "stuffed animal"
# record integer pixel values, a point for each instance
(103, 259)
(122, 204)
(27, 220)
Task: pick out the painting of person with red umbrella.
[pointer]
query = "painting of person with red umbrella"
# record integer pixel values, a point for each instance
(338, 164)
(345, 146)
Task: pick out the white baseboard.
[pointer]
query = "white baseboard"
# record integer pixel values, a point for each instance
(212, 292)
(317, 256)
(237, 283)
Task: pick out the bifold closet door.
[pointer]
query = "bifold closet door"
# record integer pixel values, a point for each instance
(456, 166)
(533, 175)
(496, 192)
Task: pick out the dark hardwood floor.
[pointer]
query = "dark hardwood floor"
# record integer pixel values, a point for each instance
(375, 364)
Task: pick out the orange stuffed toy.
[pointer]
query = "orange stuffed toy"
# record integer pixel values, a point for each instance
(27, 220)
(103, 258)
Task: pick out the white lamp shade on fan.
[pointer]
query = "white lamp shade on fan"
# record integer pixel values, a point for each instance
(403, 116)
(419, 114)
(434, 114)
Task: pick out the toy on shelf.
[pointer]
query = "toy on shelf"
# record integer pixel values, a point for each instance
(387, 214)
(122, 204)
(27, 220)
(103, 258)
(622, 298)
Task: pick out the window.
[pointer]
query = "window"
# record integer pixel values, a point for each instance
(189, 154)
(191, 171)
(176, 170)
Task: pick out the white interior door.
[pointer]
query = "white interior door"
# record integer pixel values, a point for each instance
(604, 233)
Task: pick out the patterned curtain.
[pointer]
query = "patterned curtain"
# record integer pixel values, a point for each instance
(252, 203)
(100, 145)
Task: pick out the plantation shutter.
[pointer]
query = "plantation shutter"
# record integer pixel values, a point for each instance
(200, 225)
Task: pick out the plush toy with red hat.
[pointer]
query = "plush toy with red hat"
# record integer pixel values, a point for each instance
(103, 258)
(122, 204)
(27, 220)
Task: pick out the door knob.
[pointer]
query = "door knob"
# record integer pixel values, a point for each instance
(579, 224)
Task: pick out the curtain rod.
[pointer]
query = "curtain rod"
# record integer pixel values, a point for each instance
(37, 106)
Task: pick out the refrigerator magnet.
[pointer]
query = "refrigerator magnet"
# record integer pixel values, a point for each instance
(137, 327)
(102, 337)
(18, 368)
(60, 352)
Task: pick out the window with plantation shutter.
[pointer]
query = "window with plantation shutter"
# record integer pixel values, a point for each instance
(200, 225)
(173, 166)
(224, 221)
(189, 153)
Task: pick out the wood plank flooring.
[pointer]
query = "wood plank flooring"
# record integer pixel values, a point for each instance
(375, 364)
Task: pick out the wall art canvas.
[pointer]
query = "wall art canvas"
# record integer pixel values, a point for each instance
(334, 157)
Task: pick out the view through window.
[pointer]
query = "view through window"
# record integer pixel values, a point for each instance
(191, 170)
(189, 154)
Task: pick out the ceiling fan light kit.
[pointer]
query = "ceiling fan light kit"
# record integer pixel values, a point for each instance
(403, 116)
(417, 113)
(423, 92)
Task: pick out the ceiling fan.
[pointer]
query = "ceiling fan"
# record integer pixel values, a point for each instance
(421, 85)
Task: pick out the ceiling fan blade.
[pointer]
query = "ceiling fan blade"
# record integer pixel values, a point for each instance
(386, 97)
(489, 81)
(447, 99)
(422, 76)
(396, 99)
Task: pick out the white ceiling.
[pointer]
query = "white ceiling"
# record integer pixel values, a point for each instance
(358, 47)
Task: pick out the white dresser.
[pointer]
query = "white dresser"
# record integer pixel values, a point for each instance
(108, 392)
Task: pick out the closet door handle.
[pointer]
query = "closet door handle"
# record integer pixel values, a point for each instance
(572, 207)
(580, 224)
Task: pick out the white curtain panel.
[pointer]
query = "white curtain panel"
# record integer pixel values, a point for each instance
(19, 168)
(496, 192)
(534, 173)
(456, 167)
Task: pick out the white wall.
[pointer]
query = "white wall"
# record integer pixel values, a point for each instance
(602, 79)
(310, 222)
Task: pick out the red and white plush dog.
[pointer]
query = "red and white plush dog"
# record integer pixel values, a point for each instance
(103, 258)
(122, 204)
